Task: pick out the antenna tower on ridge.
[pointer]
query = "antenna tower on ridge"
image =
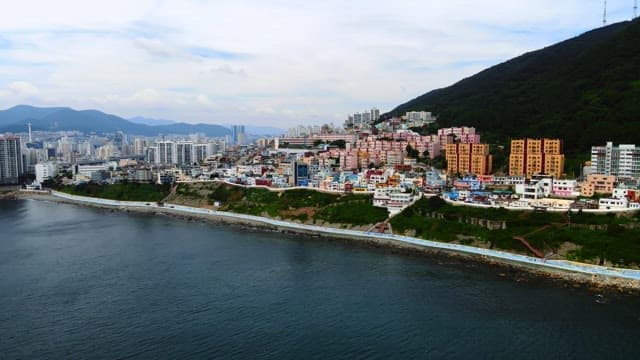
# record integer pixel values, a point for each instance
(635, 9)
(604, 15)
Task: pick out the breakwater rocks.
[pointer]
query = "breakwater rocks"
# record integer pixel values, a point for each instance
(8, 195)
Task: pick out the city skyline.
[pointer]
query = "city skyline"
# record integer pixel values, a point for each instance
(273, 63)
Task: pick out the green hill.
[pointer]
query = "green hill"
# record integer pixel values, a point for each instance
(585, 90)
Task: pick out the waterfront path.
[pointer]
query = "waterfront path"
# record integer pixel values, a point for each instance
(562, 265)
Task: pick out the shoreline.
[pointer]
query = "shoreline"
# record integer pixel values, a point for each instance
(575, 273)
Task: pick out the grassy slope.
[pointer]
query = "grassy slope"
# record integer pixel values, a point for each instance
(122, 191)
(298, 204)
(598, 237)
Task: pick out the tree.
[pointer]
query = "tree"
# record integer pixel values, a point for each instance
(439, 162)
(426, 158)
(412, 153)
(339, 143)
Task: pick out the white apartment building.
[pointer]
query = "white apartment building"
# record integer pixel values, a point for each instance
(45, 171)
(621, 161)
(184, 153)
(419, 117)
(165, 152)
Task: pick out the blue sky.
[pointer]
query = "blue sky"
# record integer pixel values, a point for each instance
(266, 62)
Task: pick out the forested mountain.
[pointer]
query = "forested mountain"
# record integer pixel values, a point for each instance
(585, 90)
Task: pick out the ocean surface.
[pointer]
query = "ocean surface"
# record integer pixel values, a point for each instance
(78, 282)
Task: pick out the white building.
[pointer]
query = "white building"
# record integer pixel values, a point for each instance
(607, 204)
(622, 161)
(165, 152)
(565, 188)
(45, 171)
(184, 153)
(625, 193)
(537, 188)
(200, 153)
(84, 171)
(418, 117)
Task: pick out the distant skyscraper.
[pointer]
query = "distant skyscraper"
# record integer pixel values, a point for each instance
(238, 134)
(139, 146)
(375, 114)
(119, 139)
(10, 159)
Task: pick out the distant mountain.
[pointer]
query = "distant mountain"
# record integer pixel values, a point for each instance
(150, 121)
(16, 119)
(585, 90)
(22, 112)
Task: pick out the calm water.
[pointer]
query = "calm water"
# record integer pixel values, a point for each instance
(78, 282)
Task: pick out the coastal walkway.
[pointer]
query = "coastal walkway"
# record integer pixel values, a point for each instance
(561, 265)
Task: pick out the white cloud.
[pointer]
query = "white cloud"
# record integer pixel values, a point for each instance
(203, 100)
(276, 62)
(22, 89)
(154, 47)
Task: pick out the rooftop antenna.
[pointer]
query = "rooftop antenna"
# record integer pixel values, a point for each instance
(604, 15)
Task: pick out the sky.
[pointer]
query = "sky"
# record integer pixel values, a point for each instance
(266, 62)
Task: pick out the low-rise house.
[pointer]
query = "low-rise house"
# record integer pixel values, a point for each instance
(609, 203)
(625, 193)
(537, 188)
(598, 184)
(565, 188)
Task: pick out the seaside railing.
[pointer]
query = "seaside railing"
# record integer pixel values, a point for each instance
(630, 274)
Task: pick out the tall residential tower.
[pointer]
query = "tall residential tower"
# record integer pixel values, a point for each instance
(11, 167)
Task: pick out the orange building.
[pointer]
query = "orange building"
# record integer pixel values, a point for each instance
(536, 156)
(598, 184)
(468, 159)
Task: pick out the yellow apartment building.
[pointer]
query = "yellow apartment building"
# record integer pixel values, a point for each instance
(536, 156)
(471, 159)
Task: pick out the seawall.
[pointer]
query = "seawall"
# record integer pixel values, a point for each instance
(598, 275)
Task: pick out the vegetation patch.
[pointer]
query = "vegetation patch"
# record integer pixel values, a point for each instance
(122, 191)
(601, 239)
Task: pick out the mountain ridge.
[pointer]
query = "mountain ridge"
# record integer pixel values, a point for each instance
(15, 119)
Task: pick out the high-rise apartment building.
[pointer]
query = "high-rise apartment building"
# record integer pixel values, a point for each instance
(10, 159)
(238, 134)
(536, 157)
(184, 153)
(139, 146)
(375, 114)
(466, 159)
(165, 152)
(200, 152)
(621, 161)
